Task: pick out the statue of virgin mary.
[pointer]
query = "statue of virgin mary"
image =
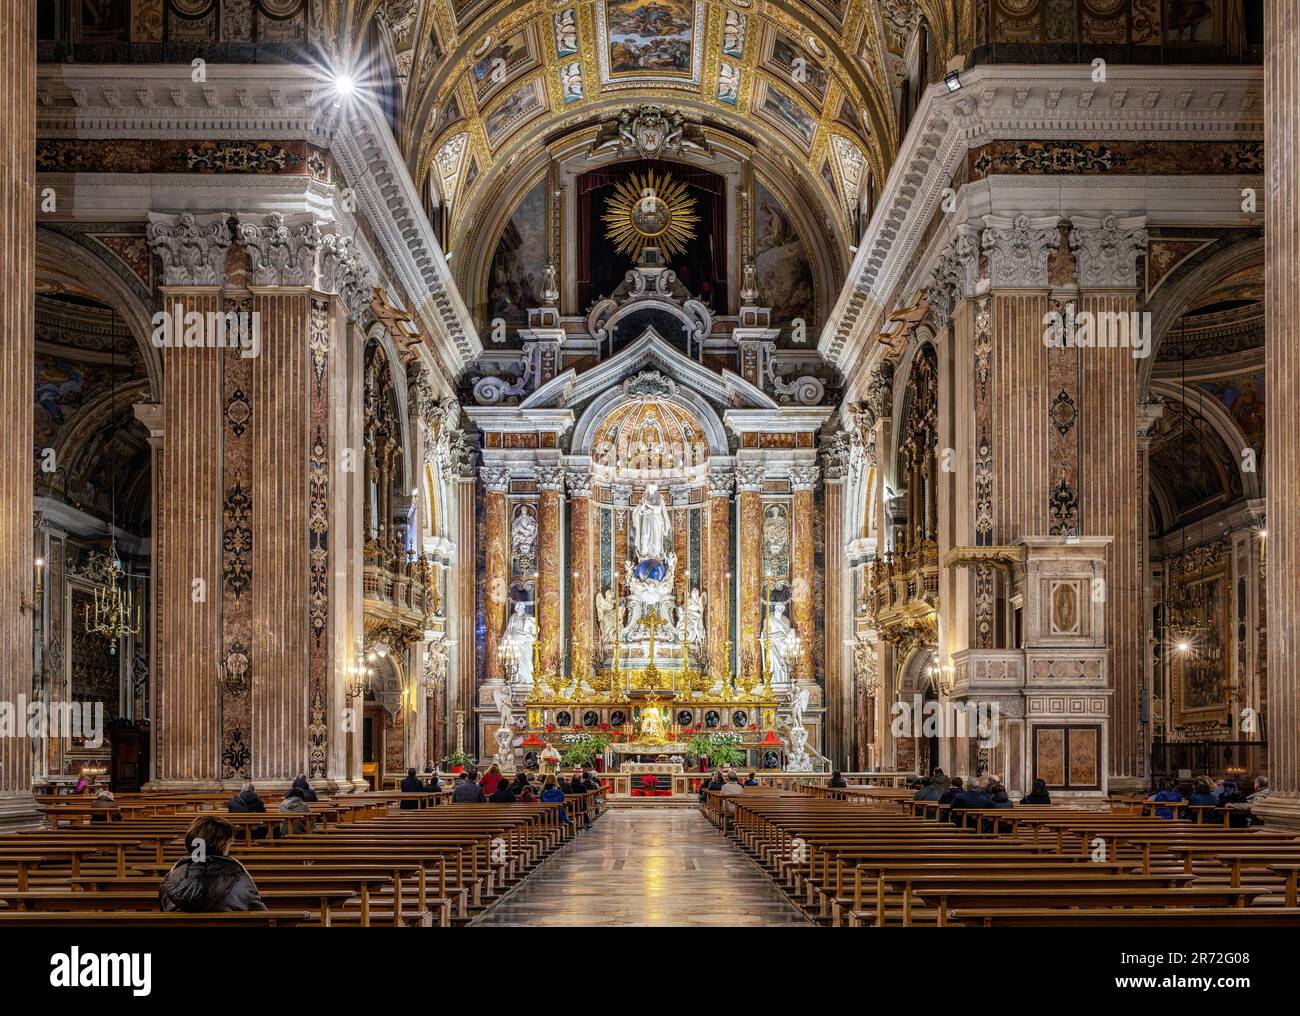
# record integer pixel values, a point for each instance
(653, 527)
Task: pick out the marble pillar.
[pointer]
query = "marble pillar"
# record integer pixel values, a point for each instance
(719, 586)
(550, 567)
(803, 479)
(187, 697)
(582, 561)
(1106, 252)
(749, 482)
(842, 697)
(496, 479)
(17, 296)
(1282, 415)
(681, 499)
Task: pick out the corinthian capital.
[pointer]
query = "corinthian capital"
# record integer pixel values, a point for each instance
(1106, 250)
(550, 477)
(579, 483)
(495, 479)
(750, 478)
(721, 484)
(192, 248)
(281, 252)
(804, 477)
(1017, 250)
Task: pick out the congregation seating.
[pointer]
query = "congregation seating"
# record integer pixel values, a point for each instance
(875, 860)
(358, 860)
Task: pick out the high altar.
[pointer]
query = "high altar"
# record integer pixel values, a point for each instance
(678, 575)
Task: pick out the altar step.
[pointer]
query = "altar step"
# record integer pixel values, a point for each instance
(687, 801)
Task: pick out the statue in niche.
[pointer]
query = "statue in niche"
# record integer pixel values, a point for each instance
(520, 634)
(776, 541)
(523, 541)
(653, 527)
(779, 643)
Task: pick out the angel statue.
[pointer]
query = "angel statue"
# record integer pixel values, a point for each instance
(505, 734)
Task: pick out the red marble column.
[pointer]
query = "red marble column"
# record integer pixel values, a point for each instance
(1282, 417)
(803, 479)
(495, 481)
(550, 566)
(17, 295)
(719, 589)
(749, 481)
(581, 597)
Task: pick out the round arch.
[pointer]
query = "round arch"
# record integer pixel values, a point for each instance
(58, 257)
(1179, 295)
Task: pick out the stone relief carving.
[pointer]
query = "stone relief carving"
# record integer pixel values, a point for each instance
(1017, 250)
(192, 249)
(1106, 253)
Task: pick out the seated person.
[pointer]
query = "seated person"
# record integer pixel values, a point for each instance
(1037, 794)
(971, 797)
(105, 808)
(838, 780)
(1168, 792)
(206, 880)
(952, 790)
(246, 801)
(468, 791)
(1202, 793)
(411, 784)
(308, 795)
(294, 803)
(503, 794)
(552, 794)
(752, 780)
(491, 778)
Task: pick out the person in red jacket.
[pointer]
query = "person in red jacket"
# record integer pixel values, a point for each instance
(491, 779)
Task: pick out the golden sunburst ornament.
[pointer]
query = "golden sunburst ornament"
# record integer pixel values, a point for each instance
(650, 211)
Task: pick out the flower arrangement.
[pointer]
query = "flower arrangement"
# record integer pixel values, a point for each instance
(456, 761)
(582, 748)
(722, 749)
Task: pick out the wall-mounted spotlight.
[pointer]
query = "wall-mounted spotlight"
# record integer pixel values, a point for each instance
(953, 80)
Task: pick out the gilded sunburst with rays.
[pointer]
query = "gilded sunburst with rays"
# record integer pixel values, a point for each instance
(651, 210)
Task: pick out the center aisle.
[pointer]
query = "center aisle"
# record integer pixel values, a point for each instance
(646, 867)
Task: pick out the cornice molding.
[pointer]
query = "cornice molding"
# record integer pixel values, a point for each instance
(1023, 102)
(282, 102)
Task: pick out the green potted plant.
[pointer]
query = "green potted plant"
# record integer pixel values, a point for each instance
(719, 749)
(456, 762)
(582, 749)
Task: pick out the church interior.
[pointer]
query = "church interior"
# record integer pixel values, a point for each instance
(649, 462)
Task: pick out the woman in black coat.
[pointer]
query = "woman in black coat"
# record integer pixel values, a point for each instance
(214, 882)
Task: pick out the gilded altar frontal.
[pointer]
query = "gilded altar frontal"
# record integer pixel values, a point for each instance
(598, 463)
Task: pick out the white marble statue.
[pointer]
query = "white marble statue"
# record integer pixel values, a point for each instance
(520, 634)
(523, 540)
(504, 707)
(652, 526)
(691, 620)
(798, 760)
(607, 618)
(779, 642)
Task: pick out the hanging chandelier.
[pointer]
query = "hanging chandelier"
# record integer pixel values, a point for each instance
(114, 614)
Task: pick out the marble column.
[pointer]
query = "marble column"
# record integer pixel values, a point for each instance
(622, 497)
(749, 483)
(187, 699)
(17, 296)
(1106, 252)
(681, 499)
(719, 588)
(802, 480)
(581, 597)
(842, 698)
(496, 479)
(461, 580)
(550, 566)
(1282, 415)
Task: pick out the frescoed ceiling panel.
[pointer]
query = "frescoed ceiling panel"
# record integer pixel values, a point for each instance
(512, 75)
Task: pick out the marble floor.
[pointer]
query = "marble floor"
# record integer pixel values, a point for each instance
(646, 868)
